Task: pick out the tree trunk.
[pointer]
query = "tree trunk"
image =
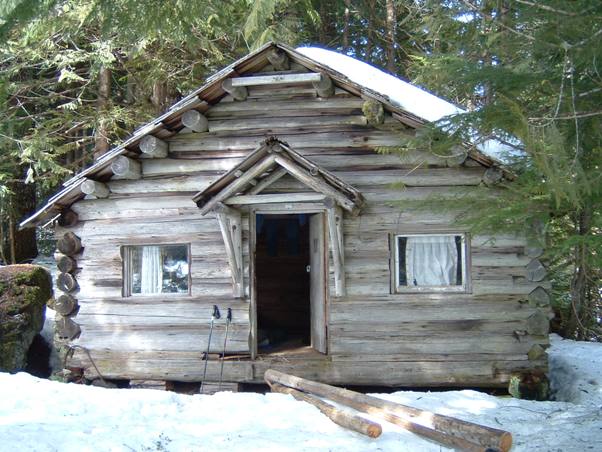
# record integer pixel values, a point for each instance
(18, 246)
(159, 96)
(580, 314)
(101, 142)
(371, 27)
(391, 31)
(346, 26)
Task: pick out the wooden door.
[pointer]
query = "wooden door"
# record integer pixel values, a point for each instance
(318, 272)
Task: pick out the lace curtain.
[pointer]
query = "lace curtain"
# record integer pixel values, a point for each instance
(431, 261)
(152, 270)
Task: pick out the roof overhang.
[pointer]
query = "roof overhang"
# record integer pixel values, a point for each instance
(243, 184)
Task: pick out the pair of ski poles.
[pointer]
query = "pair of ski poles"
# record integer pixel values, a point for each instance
(216, 316)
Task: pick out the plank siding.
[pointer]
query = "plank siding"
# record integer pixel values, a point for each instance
(375, 337)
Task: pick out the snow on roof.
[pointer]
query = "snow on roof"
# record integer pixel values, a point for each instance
(401, 94)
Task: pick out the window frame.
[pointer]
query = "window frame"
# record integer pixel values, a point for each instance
(126, 274)
(465, 287)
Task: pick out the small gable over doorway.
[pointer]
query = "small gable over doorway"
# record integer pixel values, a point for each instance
(243, 186)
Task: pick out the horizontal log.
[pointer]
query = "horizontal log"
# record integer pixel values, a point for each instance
(276, 79)
(186, 366)
(285, 122)
(254, 108)
(238, 93)
(458, 433)
(340, 417)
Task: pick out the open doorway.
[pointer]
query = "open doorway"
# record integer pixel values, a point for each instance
(282, 260)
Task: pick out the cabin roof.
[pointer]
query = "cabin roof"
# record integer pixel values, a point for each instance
(266, 164)
(201, 99)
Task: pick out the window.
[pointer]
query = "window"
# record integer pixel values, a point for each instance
(156, 269)
(433, 262)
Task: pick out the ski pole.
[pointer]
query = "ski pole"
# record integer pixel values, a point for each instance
(221, 371)
(214, 316)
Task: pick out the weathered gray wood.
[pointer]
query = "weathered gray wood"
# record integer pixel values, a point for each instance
(94, 188)
(340, 417)
(66, 282)
(153, 147)
(274, 198)
(267, 181)
(536, 271)
(538, 323)
(239, 183)
(66, 328)
(325, 87)
(195, 121)
(279, 59)
(65, 304)
(238, 93)
(536, 352)
(231, 228)
(374, 112)
(318, 271)
(468, 431)
(493, 176)
(276, 79)
(125, 168)
(337, 245)
(539, 297)
(314, 182)
(69, 244)
(64, 263)
(68, 218)
(286, 123)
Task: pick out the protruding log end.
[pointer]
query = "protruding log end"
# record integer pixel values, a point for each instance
(374, 112)
(65, 264)
(325, 87)
(195, 121)
(66, 328)
(68, 218)
(237, 92)
(69, 244)
(493, 176)
(66, 282)
(536, 271)
(153, 147)
(94, 188)
(65, 304)
(126, 168)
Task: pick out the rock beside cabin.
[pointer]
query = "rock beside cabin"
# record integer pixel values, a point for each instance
(24, 291)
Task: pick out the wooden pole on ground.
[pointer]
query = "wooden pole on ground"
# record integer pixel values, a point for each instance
(339, 417)
(444, 429)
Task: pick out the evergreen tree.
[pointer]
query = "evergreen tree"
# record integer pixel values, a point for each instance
(530, 72)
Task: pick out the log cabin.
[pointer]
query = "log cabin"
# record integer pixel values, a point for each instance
(262, 193)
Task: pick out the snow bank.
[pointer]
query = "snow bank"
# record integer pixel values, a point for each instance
(44, 416)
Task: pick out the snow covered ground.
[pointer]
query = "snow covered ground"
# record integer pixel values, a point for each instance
(41, 415)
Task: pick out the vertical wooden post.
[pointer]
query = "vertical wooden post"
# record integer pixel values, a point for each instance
(335, 228)
(230, 225)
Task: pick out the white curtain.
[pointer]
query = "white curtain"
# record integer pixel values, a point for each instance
(431, 261)
(152, 270)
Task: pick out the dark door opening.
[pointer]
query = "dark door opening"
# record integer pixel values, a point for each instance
(282, 257)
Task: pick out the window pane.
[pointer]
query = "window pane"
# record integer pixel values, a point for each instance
(158, 269)
(430, 261)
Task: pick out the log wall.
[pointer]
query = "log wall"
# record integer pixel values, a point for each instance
(375, 337)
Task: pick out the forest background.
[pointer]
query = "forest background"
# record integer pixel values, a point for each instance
(77, 76)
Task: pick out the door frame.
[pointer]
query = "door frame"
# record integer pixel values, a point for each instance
(282, 209)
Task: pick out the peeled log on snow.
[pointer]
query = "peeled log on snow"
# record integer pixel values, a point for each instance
(66, 282)
(65, 304)
(69, 244)
(444, 429)
(339, 417)
(65, 264)
(125, 168)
